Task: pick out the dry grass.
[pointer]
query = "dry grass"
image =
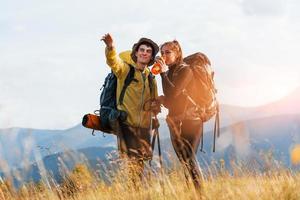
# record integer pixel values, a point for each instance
(82, 183)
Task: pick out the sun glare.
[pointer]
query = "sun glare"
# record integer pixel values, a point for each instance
(295, 155)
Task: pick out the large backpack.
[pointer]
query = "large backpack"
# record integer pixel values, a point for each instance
(203, 94)
(110, 116)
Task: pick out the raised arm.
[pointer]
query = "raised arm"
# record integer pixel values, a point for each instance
(117, 65)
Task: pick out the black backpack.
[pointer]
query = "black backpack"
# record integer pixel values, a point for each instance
(110, 116)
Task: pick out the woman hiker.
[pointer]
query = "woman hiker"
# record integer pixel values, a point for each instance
(184, 123)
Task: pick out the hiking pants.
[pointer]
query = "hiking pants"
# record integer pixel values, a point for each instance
(185, 137)
(135, 144)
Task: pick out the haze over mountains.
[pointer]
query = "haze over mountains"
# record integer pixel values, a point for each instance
(287, 105)
(245, 132)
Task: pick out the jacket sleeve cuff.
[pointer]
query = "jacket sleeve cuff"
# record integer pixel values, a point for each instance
(110, 52)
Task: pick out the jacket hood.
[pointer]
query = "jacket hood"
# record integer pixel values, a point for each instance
(126, 57)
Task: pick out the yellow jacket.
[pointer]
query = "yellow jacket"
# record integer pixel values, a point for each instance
(137, 93)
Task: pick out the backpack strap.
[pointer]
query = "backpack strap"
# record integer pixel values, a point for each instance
(128, 80)
(202, 140)
(216, 129)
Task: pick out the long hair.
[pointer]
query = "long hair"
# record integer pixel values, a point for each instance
(175, 46)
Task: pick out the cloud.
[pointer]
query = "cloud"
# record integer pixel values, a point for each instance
(52, 62)
(264, 7)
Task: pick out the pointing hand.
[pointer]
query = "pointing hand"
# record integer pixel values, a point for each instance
(108, 40)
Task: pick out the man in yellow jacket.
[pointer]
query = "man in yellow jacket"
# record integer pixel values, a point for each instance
(136, 129)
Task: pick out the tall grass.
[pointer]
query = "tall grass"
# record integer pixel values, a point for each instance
(170, 183)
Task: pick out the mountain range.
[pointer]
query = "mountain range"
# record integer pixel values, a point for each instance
(245, 131)
(287, 105)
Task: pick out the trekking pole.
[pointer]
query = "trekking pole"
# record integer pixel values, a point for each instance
(152, 139)
(158, 145)
(155, 134)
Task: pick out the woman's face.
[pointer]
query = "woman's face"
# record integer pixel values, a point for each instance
(168, 55)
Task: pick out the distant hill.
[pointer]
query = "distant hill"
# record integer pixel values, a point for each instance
(288, 105)
(246, 139)
(55, 166)
(21, 145)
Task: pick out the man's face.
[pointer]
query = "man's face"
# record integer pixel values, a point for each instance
(143, 54)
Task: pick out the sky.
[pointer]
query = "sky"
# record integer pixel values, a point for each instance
(52, 61)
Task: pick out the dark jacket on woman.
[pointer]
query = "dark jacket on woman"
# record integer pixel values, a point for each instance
(174, 81)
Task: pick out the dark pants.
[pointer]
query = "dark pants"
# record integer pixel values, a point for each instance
(185, 137)
(134, 143)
